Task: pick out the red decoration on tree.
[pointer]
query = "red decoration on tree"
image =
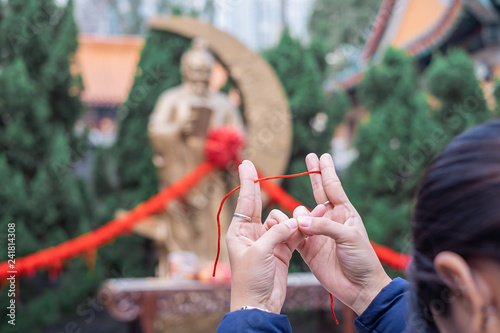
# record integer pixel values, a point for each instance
(223, 145)
(54, 257)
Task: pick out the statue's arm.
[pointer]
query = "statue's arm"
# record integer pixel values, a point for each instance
(148, 228)
(162, 120)
(163, 131)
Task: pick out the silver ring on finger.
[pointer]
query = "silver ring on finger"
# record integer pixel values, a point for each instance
(326, 203)
(241, 216)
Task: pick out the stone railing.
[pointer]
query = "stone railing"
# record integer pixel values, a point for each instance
(150, 298)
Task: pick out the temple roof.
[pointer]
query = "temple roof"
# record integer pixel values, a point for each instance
(416, 26)
(107, 65)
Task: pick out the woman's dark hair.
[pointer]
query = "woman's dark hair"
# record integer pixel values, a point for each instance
(458, 210)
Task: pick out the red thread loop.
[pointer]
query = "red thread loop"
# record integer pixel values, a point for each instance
(219, 225)
(234, 190)
(333, 311)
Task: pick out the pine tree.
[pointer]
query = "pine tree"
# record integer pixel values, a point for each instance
(124, 175)
(452, 80)
(48, 203)
(297, 69)
(394, 147)
(319, 51)
(340, 104)
(159, 70)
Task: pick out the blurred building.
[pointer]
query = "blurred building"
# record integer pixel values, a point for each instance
(107, 65)
(107, 58)
(257, 23)
(423, 26)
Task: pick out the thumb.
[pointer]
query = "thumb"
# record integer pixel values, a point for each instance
(276, 235)
(323, 226)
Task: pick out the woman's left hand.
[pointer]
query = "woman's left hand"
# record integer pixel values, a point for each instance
(259, 258)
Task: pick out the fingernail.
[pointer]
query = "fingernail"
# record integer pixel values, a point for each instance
(291, 223)
(304, 221)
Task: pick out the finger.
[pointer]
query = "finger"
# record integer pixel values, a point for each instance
(318, 211)
(278, 215)
(331, 182)
(312, 163)
(322, 226)
(270, 223)
(276, 235)
(258, 199)
(246, 198)
(301, 211)
(297, 238)
(275, 216)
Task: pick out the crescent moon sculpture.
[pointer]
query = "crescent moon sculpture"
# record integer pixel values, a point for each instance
(265, 107)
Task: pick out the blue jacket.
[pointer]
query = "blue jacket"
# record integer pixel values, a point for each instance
(386, 313)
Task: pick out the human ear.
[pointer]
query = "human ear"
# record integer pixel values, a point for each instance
(466, 301)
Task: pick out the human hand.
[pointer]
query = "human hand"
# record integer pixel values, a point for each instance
(338, 250)
(259, 258)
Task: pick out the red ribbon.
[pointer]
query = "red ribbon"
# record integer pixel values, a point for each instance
(53, 257)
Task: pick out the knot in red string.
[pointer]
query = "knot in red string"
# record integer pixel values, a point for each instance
(223, 145)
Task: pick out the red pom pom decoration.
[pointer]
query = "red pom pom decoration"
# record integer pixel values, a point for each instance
(223, 145)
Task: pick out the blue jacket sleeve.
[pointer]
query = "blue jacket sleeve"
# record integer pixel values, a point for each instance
(254, 321)
(387, 311)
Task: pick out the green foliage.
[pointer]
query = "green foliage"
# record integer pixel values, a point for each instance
(338, 22)
(103, 174)
(39, 105)
(402, 136)
(159, 70)
(319, 51)
(452, 80)
(394, 147)
(39, 191)
(298, 69)
(124, 175)
(340, 105)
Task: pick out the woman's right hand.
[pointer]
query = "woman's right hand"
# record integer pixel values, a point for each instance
(338, 250)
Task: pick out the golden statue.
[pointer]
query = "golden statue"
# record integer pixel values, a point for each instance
(177, 128)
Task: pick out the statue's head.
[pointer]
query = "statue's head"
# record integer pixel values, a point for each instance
(196, 66)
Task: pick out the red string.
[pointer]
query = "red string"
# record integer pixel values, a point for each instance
(331, 308)
(234, 190)
(219, 225)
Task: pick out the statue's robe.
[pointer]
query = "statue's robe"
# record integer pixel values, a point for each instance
(189, 224)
